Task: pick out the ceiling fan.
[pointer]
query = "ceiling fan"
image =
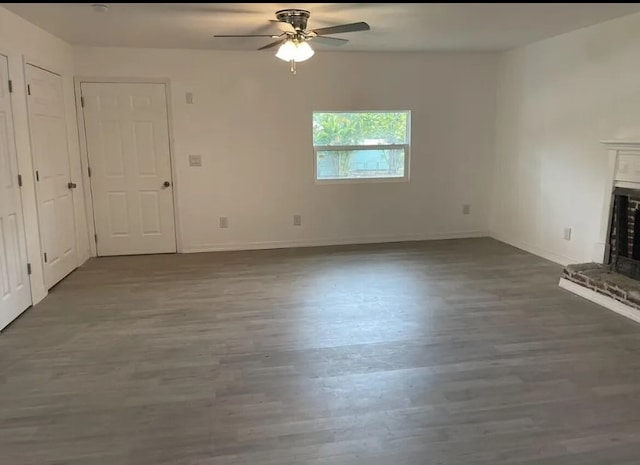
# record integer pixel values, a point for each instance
(294, 38)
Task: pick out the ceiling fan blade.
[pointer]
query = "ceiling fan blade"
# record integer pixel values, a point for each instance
(247, 35)
(273, 44)
(283, 25)
(333, 41)
(352, 27)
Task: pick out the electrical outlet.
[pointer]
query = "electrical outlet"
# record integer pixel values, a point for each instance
(466, 209)
(224, 222)
(297, 220)
(195, 160)
(567, 234)
(189, 98)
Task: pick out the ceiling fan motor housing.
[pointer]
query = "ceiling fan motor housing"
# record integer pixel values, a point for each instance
(297, 18)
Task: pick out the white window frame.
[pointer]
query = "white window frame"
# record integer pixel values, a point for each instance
(337, 148)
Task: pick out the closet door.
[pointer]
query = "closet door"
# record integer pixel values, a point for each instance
(54, 190)
(15, 291)
(127, 133)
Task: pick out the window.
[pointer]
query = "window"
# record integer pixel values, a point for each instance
(361, 145)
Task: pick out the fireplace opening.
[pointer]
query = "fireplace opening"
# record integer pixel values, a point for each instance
(624, 236)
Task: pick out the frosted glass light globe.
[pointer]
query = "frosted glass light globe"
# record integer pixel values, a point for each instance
(292, 51)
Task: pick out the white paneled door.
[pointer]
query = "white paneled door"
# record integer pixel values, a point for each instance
(54, 189)
(15, 292)
(127, 135)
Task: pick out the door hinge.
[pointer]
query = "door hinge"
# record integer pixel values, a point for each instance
(29, 89)
(89, 170)
(37, 176)
(19, 180)
(10, 86)
(82, 101)
(95, 236)
(28, 268)
(45, 257)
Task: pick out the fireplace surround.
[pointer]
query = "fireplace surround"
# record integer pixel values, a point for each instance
(612, 279)
(622, 180)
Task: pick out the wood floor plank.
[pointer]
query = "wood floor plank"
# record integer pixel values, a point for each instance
(441, 352)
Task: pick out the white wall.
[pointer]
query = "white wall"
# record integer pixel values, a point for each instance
(251, 122)
(557, 99)
(23, 42)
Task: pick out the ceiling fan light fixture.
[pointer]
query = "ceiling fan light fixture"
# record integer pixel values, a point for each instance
(292, 42)
(295, 51)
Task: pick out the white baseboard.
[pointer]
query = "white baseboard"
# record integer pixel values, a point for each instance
(601, 299)
(547, 255)
(328, 242)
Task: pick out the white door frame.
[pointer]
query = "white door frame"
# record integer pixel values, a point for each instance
(84, 152)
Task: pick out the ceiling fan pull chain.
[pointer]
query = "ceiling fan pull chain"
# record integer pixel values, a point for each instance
(293, 66)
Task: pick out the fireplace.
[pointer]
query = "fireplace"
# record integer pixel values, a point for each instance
(612, 278)
(624, 236)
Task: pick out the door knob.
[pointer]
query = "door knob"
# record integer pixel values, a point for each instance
(72, 185)
(166, 184)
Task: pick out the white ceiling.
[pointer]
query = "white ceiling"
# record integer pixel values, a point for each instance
(394, 26)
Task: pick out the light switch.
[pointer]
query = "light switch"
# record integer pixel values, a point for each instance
(195, 160)
(189, 97)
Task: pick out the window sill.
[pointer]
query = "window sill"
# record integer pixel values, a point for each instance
(362, 181)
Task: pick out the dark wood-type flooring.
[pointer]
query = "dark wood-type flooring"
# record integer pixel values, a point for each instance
(460, 352)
